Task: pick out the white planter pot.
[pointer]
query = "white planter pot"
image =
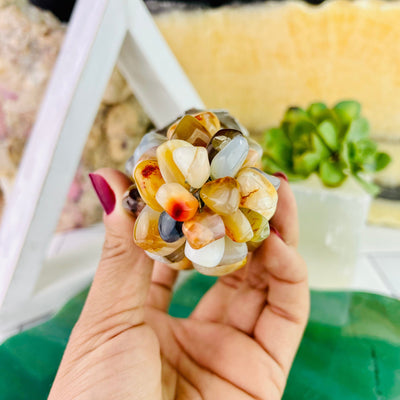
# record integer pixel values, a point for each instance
(331, 225)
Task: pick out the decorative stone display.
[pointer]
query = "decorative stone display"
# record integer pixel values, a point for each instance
(207, 203)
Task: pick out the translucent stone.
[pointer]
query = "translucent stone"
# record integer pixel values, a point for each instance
(193, 163)
(227, 121)
(203, 228)
(148, 180)
(254, 145)
(146, 235)
(259, 224)
(220, 140)
(220, 270)
(253, 159)
(207, 256)
(252, 246)
(221, 195)
(175, 255)
(177, 201)
(185, 263)
(234, 252)
(168, 168)
(132, 202)
(190, 130)
(149, 140)
(276, 182)
(238, 227)
(209, 120)
(170, 230)
(150, 154)
(258, 193)
(230, 159)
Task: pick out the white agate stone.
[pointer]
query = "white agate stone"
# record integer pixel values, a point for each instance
(230, 159)
(149, 140)
(208, 256)
(234, 252)
(193, 163)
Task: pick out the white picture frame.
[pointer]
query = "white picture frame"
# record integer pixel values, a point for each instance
(100, 34)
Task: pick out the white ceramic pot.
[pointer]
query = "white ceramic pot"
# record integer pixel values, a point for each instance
(331, 224)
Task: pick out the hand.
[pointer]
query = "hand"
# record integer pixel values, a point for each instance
(239, 342)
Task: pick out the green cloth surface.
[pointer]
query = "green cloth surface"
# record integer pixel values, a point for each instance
(350, 350)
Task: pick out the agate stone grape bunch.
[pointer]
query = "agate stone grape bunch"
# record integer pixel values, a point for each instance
(200, 197)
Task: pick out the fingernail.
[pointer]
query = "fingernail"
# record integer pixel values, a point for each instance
(104, 192)
(274, 230)
(281, 175)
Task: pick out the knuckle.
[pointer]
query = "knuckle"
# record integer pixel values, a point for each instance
(116, 246)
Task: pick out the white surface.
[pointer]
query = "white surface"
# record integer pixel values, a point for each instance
(331, 225)
(90, 50)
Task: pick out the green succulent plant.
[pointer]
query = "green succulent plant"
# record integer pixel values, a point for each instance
(331, 142)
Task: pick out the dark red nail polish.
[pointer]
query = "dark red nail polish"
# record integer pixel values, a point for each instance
(281, 175)
(274, 230)
(104, 192)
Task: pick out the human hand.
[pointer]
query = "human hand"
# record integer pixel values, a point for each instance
(239, 342)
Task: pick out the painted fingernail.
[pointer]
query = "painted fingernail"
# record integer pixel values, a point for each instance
(281, 175)
(104, 192)
(274, 230)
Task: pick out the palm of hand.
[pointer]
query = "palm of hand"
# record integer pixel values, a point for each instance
(225, 349)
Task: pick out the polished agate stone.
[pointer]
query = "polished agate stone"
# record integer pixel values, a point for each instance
(179, 203)
(190, 130)
(203, 228)
(259, 224)
(221, 195)
(146, 234)
(174, 256)
(170, 230)
(254, 156)
(207, 256)
(193, 164)
(220, 270)
(238, 227)
(184, 263)
(230, 159)
(150, 154)
(230, 122)
(258, 193)
(209, 120)
(148, 180)
(132, 202)
(220, 140)
(149, 140)
(276, 182)
(234, 252)
(169, 170)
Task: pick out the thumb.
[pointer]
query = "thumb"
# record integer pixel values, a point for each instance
(122, 280)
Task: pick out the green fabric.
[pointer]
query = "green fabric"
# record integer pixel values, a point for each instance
(350, 350)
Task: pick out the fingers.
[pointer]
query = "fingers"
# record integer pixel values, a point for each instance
(285, 217)
(274, 262)
(281, 323)
(122, 279)
(162, 283)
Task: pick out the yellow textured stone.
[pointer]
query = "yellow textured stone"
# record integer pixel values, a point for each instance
(269, 56)
(238, 227)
